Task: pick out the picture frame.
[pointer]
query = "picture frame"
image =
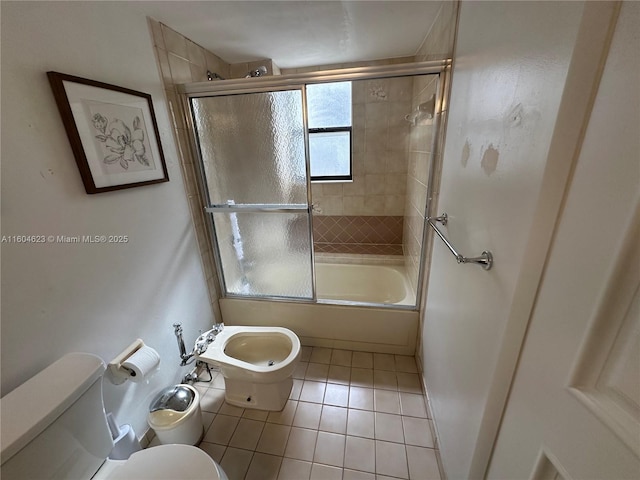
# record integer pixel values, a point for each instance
(113, 133)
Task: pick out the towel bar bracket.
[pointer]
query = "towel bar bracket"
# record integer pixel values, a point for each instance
(485, 260)
(443, 219)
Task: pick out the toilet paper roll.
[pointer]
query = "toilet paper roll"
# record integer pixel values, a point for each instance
(141, 363)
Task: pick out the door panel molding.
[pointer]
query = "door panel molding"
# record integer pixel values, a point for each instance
(604, 378)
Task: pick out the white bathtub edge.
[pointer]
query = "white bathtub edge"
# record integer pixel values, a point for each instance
(380, 330)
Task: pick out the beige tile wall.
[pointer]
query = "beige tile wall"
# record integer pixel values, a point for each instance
(182, 61)
(420, 151)
(380, 147)
(380, 158)
(379, 138)
(437, 45)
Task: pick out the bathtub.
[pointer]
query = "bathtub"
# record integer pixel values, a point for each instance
(382, 329)
(387, 284)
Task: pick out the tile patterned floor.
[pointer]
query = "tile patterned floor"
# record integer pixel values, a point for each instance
(350, 416)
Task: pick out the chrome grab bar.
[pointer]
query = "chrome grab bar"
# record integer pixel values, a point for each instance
(485, 260)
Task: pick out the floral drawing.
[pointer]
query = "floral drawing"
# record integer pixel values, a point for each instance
(125, 146)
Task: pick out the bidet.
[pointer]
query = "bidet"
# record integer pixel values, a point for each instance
(257, 364)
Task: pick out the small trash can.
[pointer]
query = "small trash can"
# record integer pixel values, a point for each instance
(175, 415)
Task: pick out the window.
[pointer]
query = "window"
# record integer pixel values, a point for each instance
(329, 113)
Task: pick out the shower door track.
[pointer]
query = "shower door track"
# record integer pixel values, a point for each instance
(287, 82)
(259, 84)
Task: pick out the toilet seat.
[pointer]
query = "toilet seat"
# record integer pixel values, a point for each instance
(164, 462)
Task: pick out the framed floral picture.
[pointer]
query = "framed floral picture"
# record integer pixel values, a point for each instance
(113, 133)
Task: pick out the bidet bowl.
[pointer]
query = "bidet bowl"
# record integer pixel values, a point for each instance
(254, 354)
(257, 364)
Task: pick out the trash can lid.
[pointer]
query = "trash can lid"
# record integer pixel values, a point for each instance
(177, 398)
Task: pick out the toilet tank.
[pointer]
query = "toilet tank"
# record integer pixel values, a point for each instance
(53, 426)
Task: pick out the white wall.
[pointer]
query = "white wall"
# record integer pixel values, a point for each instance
(59, 298)
(510, 67)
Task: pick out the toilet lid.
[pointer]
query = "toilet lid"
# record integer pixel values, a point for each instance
(168, 462)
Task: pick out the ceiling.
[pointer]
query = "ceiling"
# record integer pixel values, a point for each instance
(300, 33)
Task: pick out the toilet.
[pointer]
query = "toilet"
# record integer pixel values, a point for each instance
(54, 426)
(257, 364)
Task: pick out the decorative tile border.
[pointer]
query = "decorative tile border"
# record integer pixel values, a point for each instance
(359, 259)
(358, 229)
(358, 248)
(376, 235)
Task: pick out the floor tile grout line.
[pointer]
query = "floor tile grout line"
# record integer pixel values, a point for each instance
(326, 381)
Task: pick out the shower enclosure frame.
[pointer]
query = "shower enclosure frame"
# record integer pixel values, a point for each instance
(265, 84)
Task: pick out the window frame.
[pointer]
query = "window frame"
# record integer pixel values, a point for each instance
(344, 128)
(337, 178)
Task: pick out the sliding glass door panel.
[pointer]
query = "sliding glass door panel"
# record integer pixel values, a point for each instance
(253, 154)
(253, 147)
(265, 254)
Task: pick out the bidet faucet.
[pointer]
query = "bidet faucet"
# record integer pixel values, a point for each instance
(217, 328)
(177, 330)
(184, 356)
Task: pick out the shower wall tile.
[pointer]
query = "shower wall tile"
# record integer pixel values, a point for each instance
(373, 204)
(332, 205)
(438, 44)
(238, 70)
(358, 229)
(183, 145)
(198, 73)
(353, 204)
(163, 62)
(180, 69)
(174, 42)
(174, 110)
(376, 113)
(217, 65)
(374, 184)
(395, 184)
(182, 61)
(394, 202)
(357, 187)
(332, 189)
(399, 134)
(380, 144)
(358, 248)
(375, 160)
(359, 259)
(195, 54)
(379, 235)
(396, 162)
(156, 34)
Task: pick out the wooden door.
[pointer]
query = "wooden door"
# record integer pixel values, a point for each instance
(574, 408)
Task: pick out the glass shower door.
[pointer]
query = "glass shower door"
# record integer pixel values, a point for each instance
(252, 148)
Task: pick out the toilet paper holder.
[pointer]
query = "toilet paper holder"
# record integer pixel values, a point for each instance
(120, 373)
